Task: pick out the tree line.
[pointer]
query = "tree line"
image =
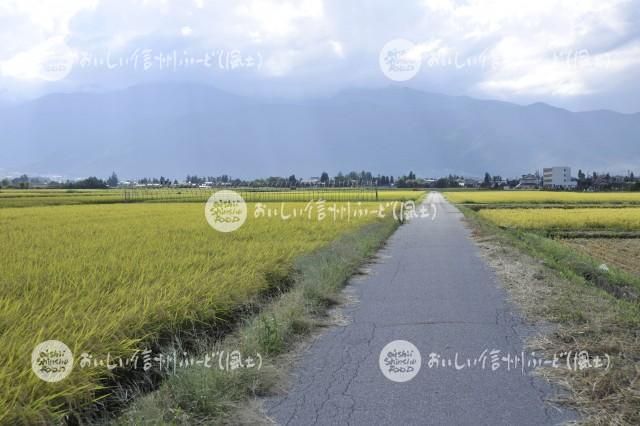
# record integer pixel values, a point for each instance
(585, 182)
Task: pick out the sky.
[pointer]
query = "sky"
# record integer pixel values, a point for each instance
(576, 54)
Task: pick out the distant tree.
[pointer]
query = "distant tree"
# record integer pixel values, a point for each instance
(442, 183)
(512, 183)
(583, 181)
(487, 180)
(113, 180)
(24, 179)
(88, 183)
(324, 178)
(292, 180)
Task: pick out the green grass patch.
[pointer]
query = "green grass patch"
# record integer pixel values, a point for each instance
(212, 396)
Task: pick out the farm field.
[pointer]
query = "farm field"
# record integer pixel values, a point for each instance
(542, 197)
(605, 234)
(53, 197)
(273, 194)
(623, 219)
(106, 279)
(619, 252)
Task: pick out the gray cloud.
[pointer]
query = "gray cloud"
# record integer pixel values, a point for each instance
(580, 55)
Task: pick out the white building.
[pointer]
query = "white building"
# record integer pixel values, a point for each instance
(312, 181)
(558, 177)
(529, 182)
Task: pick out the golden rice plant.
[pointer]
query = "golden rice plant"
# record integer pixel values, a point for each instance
(105, 279)
(623, 219)
(542, 197)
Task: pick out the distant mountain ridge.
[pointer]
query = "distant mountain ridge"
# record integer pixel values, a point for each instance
(179, 129)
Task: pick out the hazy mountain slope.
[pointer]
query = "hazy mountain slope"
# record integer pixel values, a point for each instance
(176, 129)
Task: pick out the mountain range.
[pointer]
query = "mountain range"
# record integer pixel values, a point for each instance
(178, 129)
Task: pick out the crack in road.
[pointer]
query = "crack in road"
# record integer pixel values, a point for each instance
(428, 286)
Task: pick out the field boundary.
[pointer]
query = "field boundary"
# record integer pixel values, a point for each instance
(584, 317)
(272, 324)
(565, 260)
(252, 194)
(563, 205)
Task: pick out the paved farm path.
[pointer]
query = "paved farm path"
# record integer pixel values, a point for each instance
(429, 287)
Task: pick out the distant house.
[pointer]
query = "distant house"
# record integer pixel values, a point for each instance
(312, 181)
(558, 178)
(469, 183)
(528, 181)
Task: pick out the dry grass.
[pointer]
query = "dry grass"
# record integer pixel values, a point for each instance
(209, 396)
(623, 253)
(584, 317)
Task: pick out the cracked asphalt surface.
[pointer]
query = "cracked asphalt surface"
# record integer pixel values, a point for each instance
(430, 287)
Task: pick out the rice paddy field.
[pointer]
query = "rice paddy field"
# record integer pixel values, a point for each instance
(270, 194)
(54, 197)
(607, 230)
(574, 259)
(543, 197)
(109, 278)
(613, 219)
(619, 252)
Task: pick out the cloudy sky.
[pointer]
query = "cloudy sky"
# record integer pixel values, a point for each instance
(578, 54)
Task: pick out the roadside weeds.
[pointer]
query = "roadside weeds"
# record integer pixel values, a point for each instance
(586, 317)
(201, 395)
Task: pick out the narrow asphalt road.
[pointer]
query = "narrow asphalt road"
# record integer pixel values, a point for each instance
(428, 287)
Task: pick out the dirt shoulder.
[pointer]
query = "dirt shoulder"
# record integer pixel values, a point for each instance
(583, 319)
